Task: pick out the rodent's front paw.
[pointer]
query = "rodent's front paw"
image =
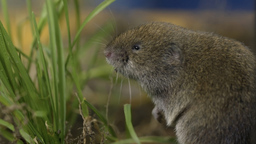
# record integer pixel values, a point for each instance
(158, 114)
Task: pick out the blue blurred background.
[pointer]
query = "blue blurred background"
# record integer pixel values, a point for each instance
(230, 5)
(244, 5)
(231, 18)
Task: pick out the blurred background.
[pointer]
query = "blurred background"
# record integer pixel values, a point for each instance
(230, 18)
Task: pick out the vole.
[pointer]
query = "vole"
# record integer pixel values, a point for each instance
(203, 83)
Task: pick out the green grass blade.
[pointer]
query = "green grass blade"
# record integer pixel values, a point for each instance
(17, 62)
(20, 27)
(6, 16)
(128, 119)
(77, 84)
(7, 134)
(26, 136)
(29, 7)
(78, 25)
(41, 24)
(101, 117)
(4, 99)
(58, 62)
(73, 69)
(6, 124)
(96, 11)
(44, 67)
(73, 72)
(62, 80)
(98, 35)
(67, 22)
(23, 54)
(53, 48)
(149, 139)
(5, 63)
(157, 139)
(4, 80)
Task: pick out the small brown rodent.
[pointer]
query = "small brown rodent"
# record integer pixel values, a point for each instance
(203, 83)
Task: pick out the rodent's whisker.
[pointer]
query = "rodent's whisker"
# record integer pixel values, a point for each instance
(99, 41)
(117, 76)
(120, 90)
(130, 90)
(109, 95)
(99, 27)
(114, 28)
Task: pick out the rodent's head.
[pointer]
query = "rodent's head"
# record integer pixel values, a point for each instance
(144, 51)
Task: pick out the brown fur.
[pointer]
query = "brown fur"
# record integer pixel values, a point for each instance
(203, 83)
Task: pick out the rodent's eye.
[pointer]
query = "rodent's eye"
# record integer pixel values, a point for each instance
(135, 47)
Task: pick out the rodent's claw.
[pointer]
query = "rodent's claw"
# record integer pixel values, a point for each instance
(158, 114)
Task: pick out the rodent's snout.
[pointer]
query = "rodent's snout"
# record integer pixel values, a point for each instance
(107, 54)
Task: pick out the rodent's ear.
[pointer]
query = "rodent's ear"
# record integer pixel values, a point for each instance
(173, 54)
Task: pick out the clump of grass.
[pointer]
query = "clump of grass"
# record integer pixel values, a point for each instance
(38, 107)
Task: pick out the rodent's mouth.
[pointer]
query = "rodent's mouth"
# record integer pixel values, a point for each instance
(116, 63)
(119, 60)
(120, 66)
(116, 70)
(116, 59)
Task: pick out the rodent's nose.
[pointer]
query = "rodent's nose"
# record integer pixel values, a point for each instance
(107, 54)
